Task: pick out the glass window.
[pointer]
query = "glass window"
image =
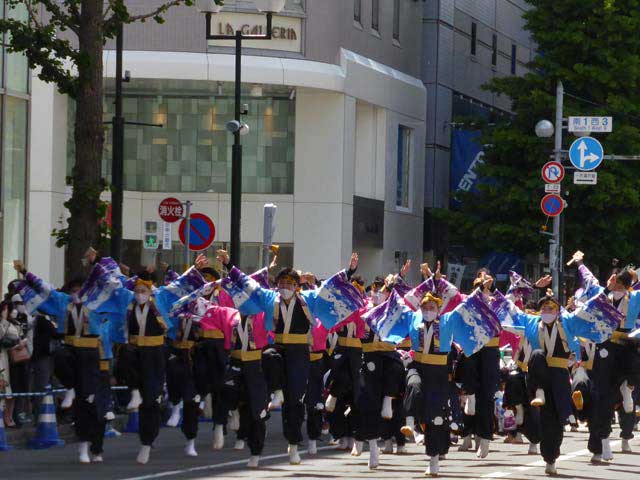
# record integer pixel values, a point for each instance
(14, 170)
(403, 167)
(494, 50)
(192, 150)
(17, 66)
(474, 37)
(514, 58)
(396, 19)
(375, 15)
(357, 10)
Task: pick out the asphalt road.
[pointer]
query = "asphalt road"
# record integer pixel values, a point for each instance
(168, 462)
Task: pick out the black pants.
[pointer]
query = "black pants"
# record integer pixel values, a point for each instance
(341, 425)
(382, 376)
(557, 408)
(313, 398)
(613, 364)
(480, 377)
(287, 368)
(344, 379)
(181, 387)
(245, 390)
(210, 364)
(518, 393)
(430, 390)
(78, 368)
(143, 368)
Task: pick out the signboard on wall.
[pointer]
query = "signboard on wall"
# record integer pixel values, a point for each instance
(368, 222)
(287, 31)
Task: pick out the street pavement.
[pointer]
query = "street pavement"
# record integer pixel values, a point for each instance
(168, 462)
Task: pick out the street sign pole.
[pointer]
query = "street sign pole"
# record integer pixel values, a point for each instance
(187, 217)
(555, 248)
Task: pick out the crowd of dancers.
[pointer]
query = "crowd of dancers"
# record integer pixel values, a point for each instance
(380, 360)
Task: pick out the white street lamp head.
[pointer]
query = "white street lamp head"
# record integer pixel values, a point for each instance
(244, 129)
(272, 6)
(208, 6)
(544, 129)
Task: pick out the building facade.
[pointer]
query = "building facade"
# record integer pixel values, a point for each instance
(337, 113)
(466, 43)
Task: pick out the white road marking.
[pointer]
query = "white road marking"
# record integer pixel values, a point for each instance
(216, 466)
(542, 463)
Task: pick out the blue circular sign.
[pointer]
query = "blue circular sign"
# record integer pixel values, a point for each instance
(586, 153)
(202, 232)
(552, 205)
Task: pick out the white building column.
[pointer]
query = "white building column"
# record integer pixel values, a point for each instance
(46, 186)
(324, 181)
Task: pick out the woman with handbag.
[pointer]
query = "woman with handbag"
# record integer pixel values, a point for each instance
(20, 356)
(9, 338)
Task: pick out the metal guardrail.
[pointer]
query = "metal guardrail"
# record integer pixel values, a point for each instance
(49, 392)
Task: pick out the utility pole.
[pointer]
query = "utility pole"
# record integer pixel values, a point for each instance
(555, 245)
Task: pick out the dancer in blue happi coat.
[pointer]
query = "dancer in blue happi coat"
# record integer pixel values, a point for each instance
(553, 335)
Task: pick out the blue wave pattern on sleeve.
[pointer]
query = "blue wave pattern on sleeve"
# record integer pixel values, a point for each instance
(391, 320)
(475, 323)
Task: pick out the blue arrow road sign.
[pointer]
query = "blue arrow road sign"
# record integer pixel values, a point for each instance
(586, 153)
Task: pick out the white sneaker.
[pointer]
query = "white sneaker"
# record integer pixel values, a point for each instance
(312, 447)
(143, 454)
(419, 439)
(330, 404)
(407, 429)
(374, 454)
(434, 466)
(533, 449)
(69, 396)
(234, 420)
(627, 399)
(388, 446)
(83, 452)
(218, 437)
(539, 400)
(466, 444)
(190, 449)
(277, 400)
(470, 405)
(401, 449)
(596, 458)
(239, 445)
(550, 469)
(607, 454)
(387, 409)
(356, 451)
(135, 402)
(254, 461)
(96, 458)
(174, 419)
(294, 456)
(483, 448)
(626, 448)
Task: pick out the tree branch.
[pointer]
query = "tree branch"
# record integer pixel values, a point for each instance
(32, 15)
(69, 19)
(158, 11)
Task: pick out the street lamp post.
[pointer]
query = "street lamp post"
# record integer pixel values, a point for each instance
(209, 7)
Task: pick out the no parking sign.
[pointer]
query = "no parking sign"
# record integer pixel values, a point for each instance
(202, 232)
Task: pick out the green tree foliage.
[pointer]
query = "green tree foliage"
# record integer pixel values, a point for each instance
(63, 41)
(593, 47)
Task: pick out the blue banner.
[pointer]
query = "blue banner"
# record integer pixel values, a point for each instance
(466, 156)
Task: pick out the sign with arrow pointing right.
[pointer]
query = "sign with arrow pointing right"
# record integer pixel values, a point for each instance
(586, 154)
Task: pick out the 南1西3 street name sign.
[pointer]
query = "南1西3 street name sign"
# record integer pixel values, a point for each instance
(591, 124)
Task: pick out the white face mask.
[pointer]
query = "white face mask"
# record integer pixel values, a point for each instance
(429, 315)
(142, 298)
(618, 294)
(286, 293)
(75, 299)
(548, 317)
(21, 309)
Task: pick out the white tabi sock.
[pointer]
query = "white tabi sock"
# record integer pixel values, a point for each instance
(374, 454)
(218, 437)
(143, 454)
